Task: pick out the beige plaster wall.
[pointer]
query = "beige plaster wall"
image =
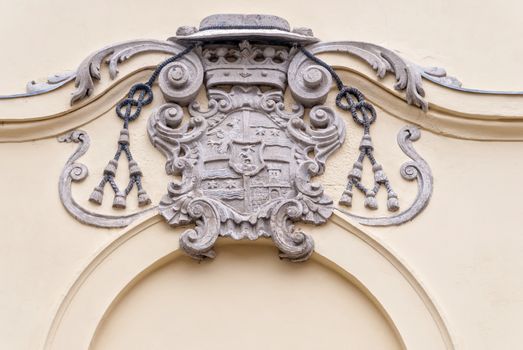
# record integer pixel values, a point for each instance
(476, 41)
(464, 249)
(172, 306)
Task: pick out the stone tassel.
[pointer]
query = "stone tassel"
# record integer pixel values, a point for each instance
(97, 195)
(136, 172)
(370, 200)
(356, 171)
(143, 198)
(379, 174)
(134, 169)
(346, 198)
(119, 200)
(110, 168)
(366, 143)
(393, 203)
(124, 137)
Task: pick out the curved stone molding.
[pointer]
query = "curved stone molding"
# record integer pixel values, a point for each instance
(449, 121)
(408, 74)
(418, 170)
(97, 288)
(75, 172)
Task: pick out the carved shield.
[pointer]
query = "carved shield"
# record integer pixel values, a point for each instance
(246, 166)
(246, 161)
(246, 157)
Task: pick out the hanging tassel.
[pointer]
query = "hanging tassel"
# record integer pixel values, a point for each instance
(393, 203)
(134, 169)
(143, 198)
(370, 200)
(129, 109)
(379, 174)
(110, 168)
(124, 137)
(97, 195)
(356, 171)
(119, 201)
(366, 143)
(346, 198)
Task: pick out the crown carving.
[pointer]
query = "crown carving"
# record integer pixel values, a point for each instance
(246, 64)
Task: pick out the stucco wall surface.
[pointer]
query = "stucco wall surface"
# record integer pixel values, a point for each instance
(459, 260)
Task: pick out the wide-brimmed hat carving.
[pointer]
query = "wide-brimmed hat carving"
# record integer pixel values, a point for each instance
(225, 27)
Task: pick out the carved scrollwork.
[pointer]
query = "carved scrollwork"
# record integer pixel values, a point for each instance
(171, 138)
(53, 82)
(309, 83)
(75, 172)
(246, 166)
(292, 243)
(90, 67)
(382, 60)
(180, 81)
(326, 135)
(199, 241)
(417, 169)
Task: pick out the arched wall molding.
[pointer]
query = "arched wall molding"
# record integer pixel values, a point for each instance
(468, 115)
(16, 130)
(341, 246)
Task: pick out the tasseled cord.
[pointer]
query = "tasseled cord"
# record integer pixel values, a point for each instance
(124, 110)
(363, 114)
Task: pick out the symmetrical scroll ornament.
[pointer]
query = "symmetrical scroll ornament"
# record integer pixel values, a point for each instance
(243, 166)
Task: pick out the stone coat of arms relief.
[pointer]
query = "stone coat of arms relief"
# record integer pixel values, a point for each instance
(246, 168)
(245, 162)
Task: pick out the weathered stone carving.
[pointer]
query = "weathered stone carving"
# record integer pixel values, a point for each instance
(408, 75)
(246, 166)
(246, 64)
(382, 60)
(181, 80)
(245, 163)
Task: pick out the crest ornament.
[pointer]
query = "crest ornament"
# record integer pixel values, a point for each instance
(246, 167)
(245, 163)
